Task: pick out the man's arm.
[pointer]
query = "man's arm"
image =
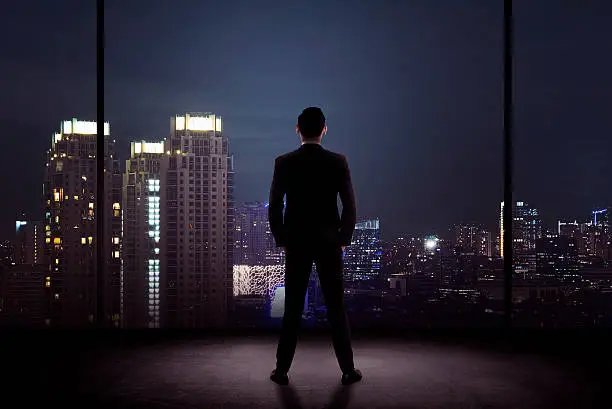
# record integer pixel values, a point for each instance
(349, 210)
(276, 204)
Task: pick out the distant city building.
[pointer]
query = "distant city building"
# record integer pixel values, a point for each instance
(143, 285)
(526, 228)
(254, 242)
(23, 295)
(29, 242)
(7, 253)
(473, 239)
(363, 258)
(557, 258)
(600, 234)
(197, 203)
(71, 209)
(568, 229)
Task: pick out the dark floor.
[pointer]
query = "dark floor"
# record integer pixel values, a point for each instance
(232, 372)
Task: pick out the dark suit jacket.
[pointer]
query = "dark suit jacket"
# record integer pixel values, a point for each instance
(312, 177)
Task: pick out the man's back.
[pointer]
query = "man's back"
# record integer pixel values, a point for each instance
(312, 231)
(312, 178)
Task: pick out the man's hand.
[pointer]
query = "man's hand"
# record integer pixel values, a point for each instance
(284, 249)
(343, 247)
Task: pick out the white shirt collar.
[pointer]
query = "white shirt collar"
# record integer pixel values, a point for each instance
(311, 142)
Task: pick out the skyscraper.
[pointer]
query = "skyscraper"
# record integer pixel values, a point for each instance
(527, 228)
(362, 260)
(29, 242)
(198, 206)
(473, 239)
(254, 243)
(70, 225)
(600, 236)
(142, 279)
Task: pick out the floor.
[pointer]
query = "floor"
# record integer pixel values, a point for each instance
(233, 372)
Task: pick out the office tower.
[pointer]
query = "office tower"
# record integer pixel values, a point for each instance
(473, 239)
(254, 242)
(362, 259)
(70, 225)
(600, 234)
(29, 242)
(557, 258)
(198, 207)
(527, 228)
(142, 278)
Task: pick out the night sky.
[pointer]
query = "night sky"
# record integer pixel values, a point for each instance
(412, 90)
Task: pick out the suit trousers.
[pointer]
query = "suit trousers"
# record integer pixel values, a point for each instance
(298, 266)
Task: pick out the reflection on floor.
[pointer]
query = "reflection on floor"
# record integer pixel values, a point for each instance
(233, 372)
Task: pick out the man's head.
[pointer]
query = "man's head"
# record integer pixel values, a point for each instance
(311, 124)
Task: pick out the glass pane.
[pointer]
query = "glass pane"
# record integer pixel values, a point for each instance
(412, 95)
(49, 87)
(562, 230)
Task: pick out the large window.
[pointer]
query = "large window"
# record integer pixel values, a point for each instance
(413, 97)
(48, 70)
(200, 99)
(562, 232)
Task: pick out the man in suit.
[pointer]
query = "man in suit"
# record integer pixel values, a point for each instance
(312, 231)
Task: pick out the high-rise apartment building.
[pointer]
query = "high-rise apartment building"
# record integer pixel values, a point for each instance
(363, 258)
(254, 242)
(197, 204)
(473, 239)
(71, 205)
(526, 228)
(29, 242)
(143, 281)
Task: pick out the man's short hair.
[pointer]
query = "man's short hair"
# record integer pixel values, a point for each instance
(311, 122)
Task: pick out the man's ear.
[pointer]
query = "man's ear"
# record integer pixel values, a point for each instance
(297, 129)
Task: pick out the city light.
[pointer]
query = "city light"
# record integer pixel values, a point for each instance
(258, 280)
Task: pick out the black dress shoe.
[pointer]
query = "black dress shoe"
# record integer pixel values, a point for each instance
(279, 377)
(351, 377)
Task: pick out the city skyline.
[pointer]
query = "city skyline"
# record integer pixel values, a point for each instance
(433, 86)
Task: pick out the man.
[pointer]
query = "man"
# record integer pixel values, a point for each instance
(312, 231)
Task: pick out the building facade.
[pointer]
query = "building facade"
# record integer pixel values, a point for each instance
(557, 259)
(142, 279)
(29, 242)
(527, 229)
(363, 258)
(70, 206)
(473, 239)
(254, 242)
(197, 202)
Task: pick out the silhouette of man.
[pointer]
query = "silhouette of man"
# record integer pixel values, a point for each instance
(312, 231)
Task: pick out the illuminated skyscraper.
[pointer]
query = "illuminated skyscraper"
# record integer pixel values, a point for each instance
(198, 208)
(527, 228)
(29, 242)
(362, 259)
(142, 278)
(473, 239)
(255, 245)
(70, 225)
